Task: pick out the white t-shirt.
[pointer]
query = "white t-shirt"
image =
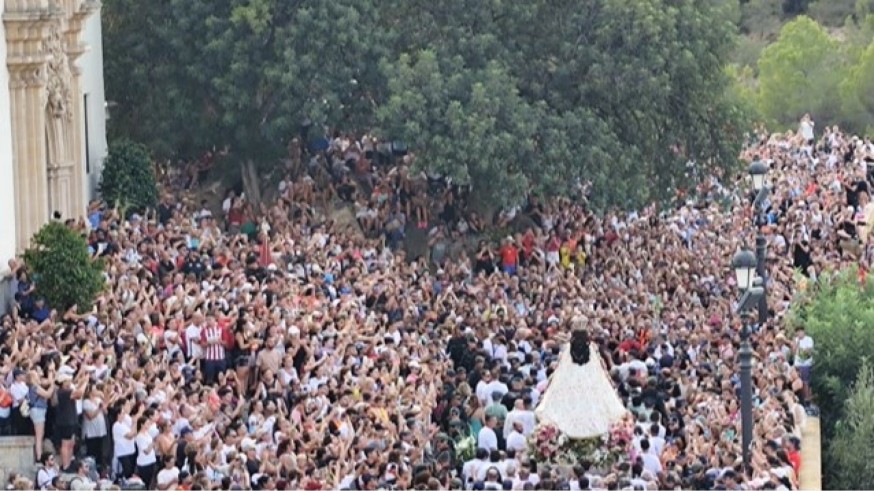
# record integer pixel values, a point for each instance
(192, 333)
(516, 441)
(519, 483)
(167, 476)
(651, 463)
(807, 130)
(487, 439)
(145, 441)
(803, 345)
(18, 391)
(122, 446)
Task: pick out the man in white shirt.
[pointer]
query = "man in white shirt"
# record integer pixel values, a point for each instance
(516, 439)
(656, 442)
(124, 449)
(487, 438)
(471, 467)
(168, 477)
(804, 358)
(525, 476)
(483, 390)
(193, 338)
(651, 461)
(522, 412)
(513, 416)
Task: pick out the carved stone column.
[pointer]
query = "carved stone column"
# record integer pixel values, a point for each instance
(79, 12)
(60, 130)
(27, 23)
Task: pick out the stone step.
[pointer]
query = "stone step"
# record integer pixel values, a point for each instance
(811, 459)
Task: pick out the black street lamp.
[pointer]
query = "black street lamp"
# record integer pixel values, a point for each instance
(759, 172)
(745, 266)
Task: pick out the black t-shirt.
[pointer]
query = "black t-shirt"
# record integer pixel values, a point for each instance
(195, 267)
(849, 228)
(165, 212)
(65, 411)
(853, 192)
(181, 444)
(801, 258)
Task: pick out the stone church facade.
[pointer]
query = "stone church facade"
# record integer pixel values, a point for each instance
(52, 115)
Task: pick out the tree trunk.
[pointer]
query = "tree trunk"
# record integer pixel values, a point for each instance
(251, 182)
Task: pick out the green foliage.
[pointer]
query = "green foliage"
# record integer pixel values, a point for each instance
(471, 125)
(838, 313)
(800, 73)
(128, 177)
(857, 89)
(832, 13)
(64, 272)
(507, 96)
(850, 452)
(761, 19)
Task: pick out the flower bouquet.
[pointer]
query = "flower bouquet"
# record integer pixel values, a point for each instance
(466, 448)
(548, 445)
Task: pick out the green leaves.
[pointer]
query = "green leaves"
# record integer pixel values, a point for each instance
(508, 96)
(800, 73)
(839, 315)
(128, 176)
(850, 453)
(65, 272)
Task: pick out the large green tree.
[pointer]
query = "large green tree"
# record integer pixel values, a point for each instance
(619, 93)
(801, 73)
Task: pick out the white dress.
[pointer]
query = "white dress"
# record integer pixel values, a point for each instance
(580, 399)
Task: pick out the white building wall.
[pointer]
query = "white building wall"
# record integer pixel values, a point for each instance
(7, 190)
(91, 62)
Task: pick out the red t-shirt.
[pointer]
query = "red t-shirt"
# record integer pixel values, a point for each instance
(795, 460)
(554, 245)
(528, 244)
(629, 345)
(235, 216)
(509, 255)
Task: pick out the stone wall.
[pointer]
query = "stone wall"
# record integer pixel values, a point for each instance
(16, 455)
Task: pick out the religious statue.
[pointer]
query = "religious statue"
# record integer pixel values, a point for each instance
(59, 77)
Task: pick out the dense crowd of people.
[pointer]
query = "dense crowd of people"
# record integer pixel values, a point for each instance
(260, 348)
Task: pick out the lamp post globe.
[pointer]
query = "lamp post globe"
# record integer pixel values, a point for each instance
(744, 264)
(759, 173)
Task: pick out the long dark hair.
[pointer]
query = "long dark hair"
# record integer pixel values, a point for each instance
(580, 346)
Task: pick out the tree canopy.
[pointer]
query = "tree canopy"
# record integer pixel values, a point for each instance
(838, 312)
(128, 177)
(800, 73)
(65, 274)
(506, 96)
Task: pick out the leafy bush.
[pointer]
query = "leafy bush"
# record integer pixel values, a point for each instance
(850, 452)
(64, 272)
(128, 176)
(838, 313)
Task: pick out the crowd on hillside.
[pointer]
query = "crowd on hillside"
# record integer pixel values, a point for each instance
(260, 348)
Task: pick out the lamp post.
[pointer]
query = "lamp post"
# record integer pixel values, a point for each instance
(759, 172)
(745, 266)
